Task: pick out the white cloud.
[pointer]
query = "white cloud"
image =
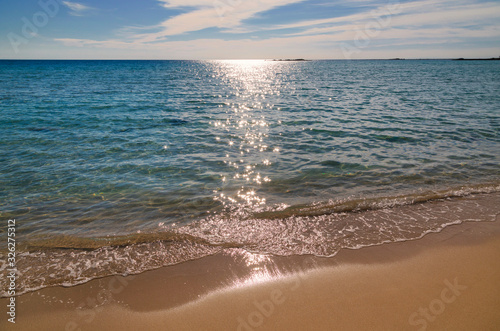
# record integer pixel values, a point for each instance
(318, 46)
(227, 14)
(445, 24)
(76, 9)
(413, 15)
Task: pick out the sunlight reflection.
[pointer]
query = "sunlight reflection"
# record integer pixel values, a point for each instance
(261, 267)
(244, 129)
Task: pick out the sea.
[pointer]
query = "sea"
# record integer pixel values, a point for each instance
(118, 167)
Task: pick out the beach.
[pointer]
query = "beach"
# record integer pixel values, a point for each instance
(446, 280)
(281, 165)
(249, 195)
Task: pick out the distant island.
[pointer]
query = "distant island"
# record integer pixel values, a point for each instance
(289, 60)
(490, 59)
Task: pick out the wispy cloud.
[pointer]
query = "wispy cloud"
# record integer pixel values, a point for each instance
(322, 46)
(225, 14)
(77, 9)
(408, 27)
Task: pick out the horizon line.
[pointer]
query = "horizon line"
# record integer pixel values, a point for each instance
(259, 59)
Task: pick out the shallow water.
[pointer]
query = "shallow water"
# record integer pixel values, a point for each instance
(103, 154)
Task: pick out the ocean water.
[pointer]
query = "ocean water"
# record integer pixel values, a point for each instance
(116, 167)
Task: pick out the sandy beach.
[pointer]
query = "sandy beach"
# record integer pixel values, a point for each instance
(281, 165)
(250, 195)
(447, 280)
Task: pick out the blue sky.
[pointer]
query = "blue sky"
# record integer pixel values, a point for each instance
(248, 29)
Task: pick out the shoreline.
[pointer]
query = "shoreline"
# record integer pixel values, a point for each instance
(389, 286)
(353, 225)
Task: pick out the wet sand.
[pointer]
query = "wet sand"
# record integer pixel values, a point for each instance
(449, 280)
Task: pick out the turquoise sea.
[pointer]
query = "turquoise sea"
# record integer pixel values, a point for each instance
(116, 167)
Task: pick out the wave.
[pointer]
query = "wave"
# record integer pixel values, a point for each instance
(362, 204)
(320, 229)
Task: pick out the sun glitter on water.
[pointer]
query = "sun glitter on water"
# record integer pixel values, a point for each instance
(244, 130)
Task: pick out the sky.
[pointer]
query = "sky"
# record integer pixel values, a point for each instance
(248, 29)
